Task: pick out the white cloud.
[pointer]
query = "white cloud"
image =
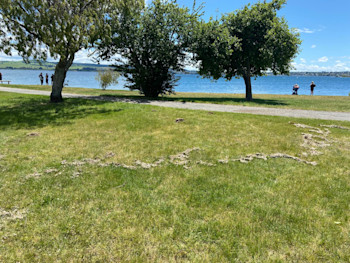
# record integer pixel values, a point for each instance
(323, 59)
(305, 30)
(313, 46)
(308, 30)
(340, 65)
(303, 60)
(318, 68)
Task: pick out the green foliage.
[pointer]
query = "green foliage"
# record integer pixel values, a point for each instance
(153, 45)
(56, 28)
(247, 43)
(107, 78)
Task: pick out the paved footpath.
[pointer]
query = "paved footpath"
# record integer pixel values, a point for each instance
(322, 115)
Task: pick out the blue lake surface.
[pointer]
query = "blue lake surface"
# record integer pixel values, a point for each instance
(331, 86)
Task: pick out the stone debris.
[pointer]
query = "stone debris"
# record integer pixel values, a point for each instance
(149, 165)
(310, 142)
(299, 125)
(109, 155)
(144, 165)
(114, 164)
(282, 155)
(51, 170)
(76, 174)
(179, 120)
(91, 161)
(250, 157)
(74, 163)
(182, 158)
(2, 156)
(34, 175)
(14, 214)
(316, 139)
(205, 163)
(335, 126)
(33, 134)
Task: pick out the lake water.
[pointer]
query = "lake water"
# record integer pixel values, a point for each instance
(332, 86)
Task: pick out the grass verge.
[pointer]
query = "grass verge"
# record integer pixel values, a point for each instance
(320, 103)
(75, 185)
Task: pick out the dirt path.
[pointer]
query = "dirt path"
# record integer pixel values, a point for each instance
(322, 115)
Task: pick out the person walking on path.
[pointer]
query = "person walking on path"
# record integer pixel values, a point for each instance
(47, 79)
(312, 86)
(41, 77)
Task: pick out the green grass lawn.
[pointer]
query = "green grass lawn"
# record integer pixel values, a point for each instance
(72, 186)
(321, 103)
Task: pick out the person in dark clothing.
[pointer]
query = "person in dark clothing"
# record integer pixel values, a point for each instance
(41, 77)
(47, 79)
(295, 89)
(52, 76)
(0, 76)
(312, 86)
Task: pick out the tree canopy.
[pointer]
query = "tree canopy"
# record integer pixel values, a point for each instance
(247, 43)
(56, 28)
(151, 46)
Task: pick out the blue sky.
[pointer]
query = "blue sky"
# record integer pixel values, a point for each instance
(324, 28)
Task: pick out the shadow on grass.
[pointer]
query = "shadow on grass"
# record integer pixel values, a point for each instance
(233, 101)
(38, 112)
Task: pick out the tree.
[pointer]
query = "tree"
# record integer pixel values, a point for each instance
(56, 28)
(4, 39)
(258, 42)
(152, 45)
(107, 77)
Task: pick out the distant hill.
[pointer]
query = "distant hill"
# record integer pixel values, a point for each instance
(48, 66)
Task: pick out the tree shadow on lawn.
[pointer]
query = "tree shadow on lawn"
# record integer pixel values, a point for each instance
(38, 112)
(226, 101)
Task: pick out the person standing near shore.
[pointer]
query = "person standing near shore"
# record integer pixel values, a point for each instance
(312, 86)
(47, 79)
(0, 76)
(295, 89)
(41, 77)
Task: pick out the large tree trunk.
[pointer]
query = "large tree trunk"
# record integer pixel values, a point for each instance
(151, 90)
(248, 87)
(58, 80)
(151, 93)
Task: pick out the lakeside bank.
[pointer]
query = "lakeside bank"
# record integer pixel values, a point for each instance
(278, 85)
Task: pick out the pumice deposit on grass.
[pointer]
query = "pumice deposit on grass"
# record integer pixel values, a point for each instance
(313, 141)
(33, 134)
(335, 126)
(14, 214)
(250, 157)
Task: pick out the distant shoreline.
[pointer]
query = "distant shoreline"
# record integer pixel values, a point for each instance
(34, 65)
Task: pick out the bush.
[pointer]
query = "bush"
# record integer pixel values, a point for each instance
(107, 78)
